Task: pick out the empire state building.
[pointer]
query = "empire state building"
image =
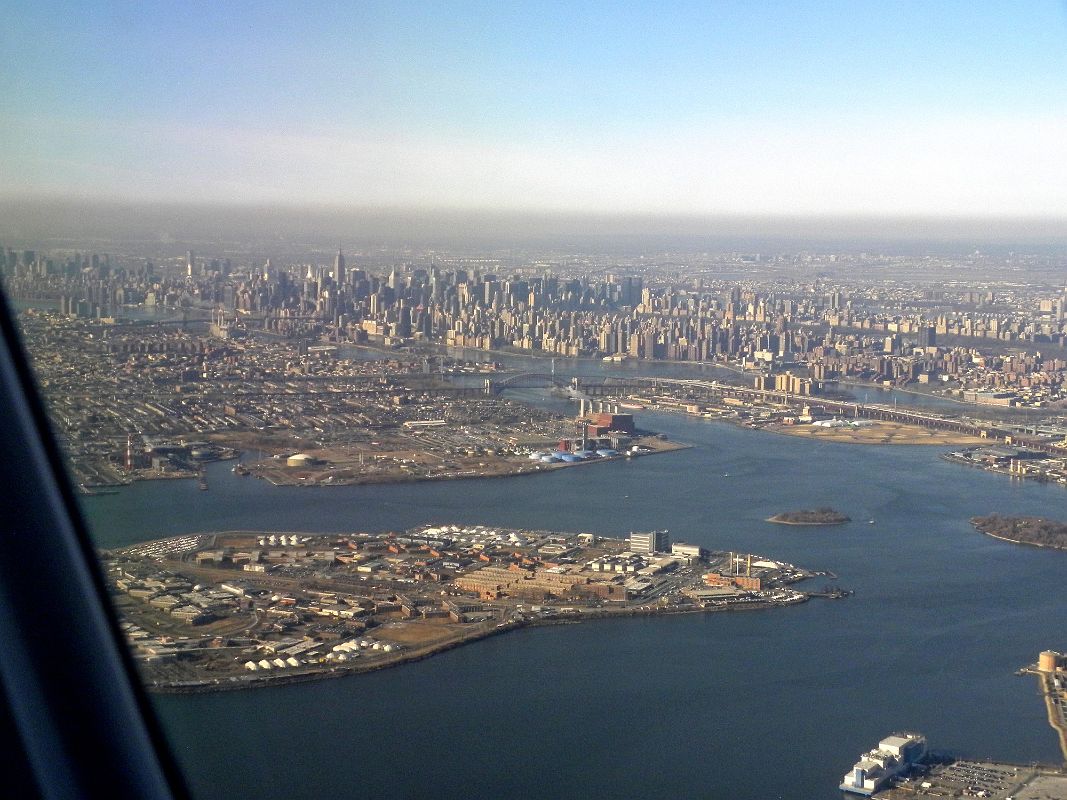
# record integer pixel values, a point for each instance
(339, 268)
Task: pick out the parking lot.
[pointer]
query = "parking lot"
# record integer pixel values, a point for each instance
(986, 780)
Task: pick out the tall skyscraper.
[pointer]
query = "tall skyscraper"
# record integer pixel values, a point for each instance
(339, 267)
(190, 263)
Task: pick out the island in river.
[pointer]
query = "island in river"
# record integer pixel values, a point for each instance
(1036, 531)
(818, 516)
(242, 609)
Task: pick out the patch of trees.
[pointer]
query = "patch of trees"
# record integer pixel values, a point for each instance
(818, 516)
(1028, 530)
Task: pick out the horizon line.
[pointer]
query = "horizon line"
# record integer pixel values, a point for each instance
(105, 202)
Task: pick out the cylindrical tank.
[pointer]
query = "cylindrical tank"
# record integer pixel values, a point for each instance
(1049, 661)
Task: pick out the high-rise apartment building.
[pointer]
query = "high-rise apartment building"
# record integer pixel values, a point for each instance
(651, 542)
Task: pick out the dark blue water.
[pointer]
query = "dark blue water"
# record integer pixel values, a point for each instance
(768, 704)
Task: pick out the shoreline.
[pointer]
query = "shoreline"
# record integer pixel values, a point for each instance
(702, 366)
(775, 521)
(536, 470)
(1019, 541)
(898, 435)
(249, 640)
(241, 683)
(952, 458)
(671, 446)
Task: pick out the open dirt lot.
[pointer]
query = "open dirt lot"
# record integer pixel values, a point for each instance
(879, 433)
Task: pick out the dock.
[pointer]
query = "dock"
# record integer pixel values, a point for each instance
(1055, 697)
(1051, 672)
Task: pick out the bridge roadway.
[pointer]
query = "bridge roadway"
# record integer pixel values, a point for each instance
(528, 380)
(700, 389)
(839, 407)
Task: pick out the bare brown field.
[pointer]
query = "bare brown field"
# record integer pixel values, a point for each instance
(879, 433)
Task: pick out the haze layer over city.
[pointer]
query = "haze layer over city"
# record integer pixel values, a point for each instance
(556, 401)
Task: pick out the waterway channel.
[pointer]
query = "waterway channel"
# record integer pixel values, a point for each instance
(747, 706)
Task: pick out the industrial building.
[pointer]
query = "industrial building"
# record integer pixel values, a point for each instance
(751, 582)
(690, 551)
(893, 756)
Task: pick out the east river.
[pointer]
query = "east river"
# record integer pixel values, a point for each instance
(755, 705)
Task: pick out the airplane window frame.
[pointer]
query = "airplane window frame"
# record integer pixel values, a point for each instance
(76, 711)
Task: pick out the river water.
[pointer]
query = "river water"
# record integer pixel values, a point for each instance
(755, 705)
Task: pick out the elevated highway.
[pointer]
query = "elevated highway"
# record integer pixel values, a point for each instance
(711, 391)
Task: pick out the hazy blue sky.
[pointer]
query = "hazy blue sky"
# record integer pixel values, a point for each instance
(710, 107)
